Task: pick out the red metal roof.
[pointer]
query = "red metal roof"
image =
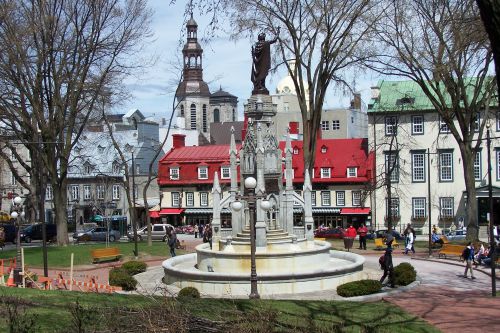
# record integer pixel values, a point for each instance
(340, 154)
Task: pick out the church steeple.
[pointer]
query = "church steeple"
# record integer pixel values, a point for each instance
(192, 52)
(193, 67)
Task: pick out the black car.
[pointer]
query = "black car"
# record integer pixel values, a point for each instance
(10, 231)
(34, 232)
(381, 234)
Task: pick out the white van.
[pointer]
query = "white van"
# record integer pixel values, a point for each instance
(158, 232)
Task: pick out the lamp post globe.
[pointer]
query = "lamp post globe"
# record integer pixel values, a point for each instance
(236, 206)
(17, 200)
(250, 183)
(265, 205)
(14, 215)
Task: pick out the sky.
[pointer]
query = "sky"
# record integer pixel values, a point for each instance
(226, 65)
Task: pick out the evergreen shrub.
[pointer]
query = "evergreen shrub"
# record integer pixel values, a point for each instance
(120, 277)
(134, 267)
(404, 274)
(359, 288)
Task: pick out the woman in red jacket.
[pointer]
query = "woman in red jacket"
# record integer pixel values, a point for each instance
(349, 236)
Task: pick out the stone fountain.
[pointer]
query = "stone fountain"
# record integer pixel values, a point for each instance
(287, 258)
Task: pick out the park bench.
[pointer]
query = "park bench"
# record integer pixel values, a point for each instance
(379, 243)
(451, 250)
(109, 253)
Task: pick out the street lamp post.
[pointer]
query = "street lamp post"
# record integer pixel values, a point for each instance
(490, 198)
(132, 216)
(17, 212)
(251, 198)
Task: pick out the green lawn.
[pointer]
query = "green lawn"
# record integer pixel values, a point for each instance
(60, 256)
(54, 311)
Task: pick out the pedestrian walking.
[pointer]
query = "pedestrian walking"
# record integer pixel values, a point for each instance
(362, 231)
(2, 237)
(200, 230)
(386, 262)
(207, 234)
(468, 256)
(349, 236)
(172, 241)
(409, 239)
(195, 231)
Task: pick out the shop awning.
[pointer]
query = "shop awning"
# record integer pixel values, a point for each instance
(171, 211)
(355, 211)
(154, 214)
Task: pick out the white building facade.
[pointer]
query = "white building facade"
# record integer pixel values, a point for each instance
(409, 139)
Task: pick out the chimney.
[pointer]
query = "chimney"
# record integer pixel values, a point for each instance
(294, 127)
(178, 140)
(356, 102)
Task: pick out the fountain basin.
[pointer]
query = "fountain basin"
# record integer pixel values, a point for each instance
(325, 270)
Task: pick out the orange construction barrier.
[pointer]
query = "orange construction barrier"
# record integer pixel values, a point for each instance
(10, 280)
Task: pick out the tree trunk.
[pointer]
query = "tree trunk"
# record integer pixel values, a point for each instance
(470, 186)
(60, 200)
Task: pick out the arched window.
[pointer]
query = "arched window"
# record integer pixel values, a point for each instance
(216, 116)
(193, 116)
(204, 118)
(234, 114)
(182, 110)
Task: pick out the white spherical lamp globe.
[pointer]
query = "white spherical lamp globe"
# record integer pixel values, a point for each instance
(17, 200)
(14, 215)
(250, 182)
(265, 205)
(22, 214)
(236, 206)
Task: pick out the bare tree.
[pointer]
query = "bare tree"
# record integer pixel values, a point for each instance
(324, 39)
(443, 48)
(62, 56)
(490, 14)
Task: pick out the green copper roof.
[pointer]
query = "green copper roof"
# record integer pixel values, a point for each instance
(406, 96)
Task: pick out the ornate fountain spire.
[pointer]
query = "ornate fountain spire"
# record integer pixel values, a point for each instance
(308, 219)
(216, 195)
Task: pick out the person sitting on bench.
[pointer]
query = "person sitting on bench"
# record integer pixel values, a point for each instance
(436, 239)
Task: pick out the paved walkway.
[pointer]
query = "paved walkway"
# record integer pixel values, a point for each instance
(443, 298)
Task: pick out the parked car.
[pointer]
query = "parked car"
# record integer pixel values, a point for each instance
(458, 235)
(34, 232)
(329, 233)
(158, 232)
(10, 231)
(96, 234)
(381, 234)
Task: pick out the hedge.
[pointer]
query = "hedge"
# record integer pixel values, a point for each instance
(404, 274)
(191, 292)
(359, 288)
(134, 267)
(120, 277)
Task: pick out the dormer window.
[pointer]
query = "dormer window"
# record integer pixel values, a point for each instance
(323, 149)
(116, 167)
(295, 150)
(87, 168)
(325, 172)
(174, 173)
(203, 172)
(352, 172)
(100, 149)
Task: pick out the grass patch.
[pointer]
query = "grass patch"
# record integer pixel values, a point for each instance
(60, 256)
(53, 310)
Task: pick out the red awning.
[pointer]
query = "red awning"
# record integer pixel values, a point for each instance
(171, 211)
(355, 210)
(154, 214)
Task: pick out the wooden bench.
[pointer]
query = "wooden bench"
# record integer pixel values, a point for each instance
(109, 253)
(451, 250)
(379, 243)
